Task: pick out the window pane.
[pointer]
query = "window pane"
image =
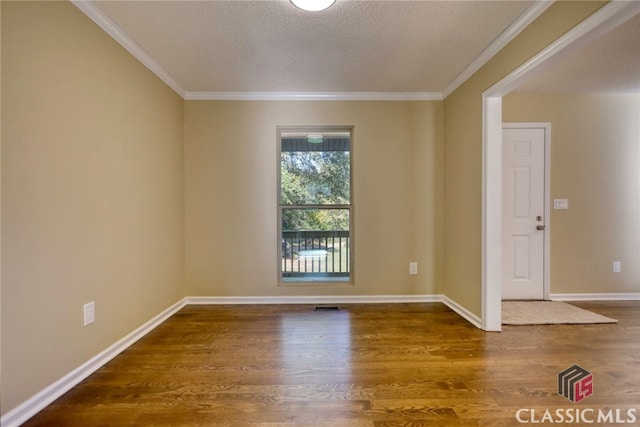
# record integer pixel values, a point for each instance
(315, 171)
(315, 205)
(315, 244)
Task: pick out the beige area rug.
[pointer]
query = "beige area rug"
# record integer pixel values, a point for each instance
(548, 313)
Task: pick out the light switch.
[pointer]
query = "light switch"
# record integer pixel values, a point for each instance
(89, 310)
(617, 267)
(413, 268)
(560, 204)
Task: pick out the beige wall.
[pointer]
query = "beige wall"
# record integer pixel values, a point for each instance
(100, 203)
(92, 194)
(595, 163)
(231, 204)
(463, 150)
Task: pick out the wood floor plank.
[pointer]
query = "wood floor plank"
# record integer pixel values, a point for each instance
(364, 365)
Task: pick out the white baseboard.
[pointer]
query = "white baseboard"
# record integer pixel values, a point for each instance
(345, 299)
(45, 397)
(633, 296)
(332, 299)
(462, 312)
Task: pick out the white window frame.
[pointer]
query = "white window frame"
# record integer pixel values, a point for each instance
(350, 207)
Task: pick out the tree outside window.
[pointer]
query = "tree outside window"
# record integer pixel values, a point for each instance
(315, 205)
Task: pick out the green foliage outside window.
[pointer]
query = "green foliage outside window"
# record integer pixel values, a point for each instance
(315, 178)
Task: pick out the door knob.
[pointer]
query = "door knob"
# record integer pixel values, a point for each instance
(539, 227)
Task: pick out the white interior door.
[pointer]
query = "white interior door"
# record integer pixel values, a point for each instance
(523, 213)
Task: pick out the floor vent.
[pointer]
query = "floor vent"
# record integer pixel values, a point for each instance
(327, 308)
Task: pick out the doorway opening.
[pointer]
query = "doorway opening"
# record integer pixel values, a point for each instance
(604, 20)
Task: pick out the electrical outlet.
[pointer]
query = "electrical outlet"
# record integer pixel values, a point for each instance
(413, 268)
(89, 313)
(617, 267)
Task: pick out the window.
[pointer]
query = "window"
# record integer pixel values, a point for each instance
(315, 208)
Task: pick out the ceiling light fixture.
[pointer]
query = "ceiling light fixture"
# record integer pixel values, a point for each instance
(315, 138)
(313, 5)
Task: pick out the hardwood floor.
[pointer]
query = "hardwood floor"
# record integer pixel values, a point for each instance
(364, 365)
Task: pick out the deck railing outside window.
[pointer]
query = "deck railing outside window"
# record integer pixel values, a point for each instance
(309, 254)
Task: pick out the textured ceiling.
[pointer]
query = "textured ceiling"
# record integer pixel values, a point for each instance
(423, 49)
(354, 46)
(608, 64)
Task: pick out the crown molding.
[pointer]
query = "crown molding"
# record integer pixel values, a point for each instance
(605, 19)
(313, 96)
(103, 21)
(516, 27)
